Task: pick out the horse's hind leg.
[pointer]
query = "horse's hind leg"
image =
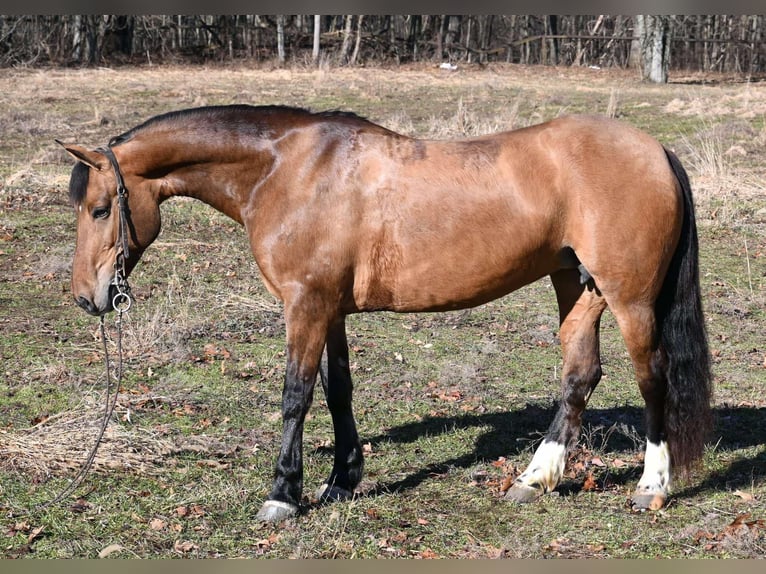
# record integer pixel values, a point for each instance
(637, 324)
(336, 381)
(580, 309)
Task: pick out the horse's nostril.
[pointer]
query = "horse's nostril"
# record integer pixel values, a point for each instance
(86, 304)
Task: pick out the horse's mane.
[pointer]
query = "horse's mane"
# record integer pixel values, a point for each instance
(239, 115)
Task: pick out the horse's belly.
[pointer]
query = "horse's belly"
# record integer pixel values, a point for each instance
(441, 285)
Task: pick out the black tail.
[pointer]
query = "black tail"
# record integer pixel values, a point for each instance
(683, 337)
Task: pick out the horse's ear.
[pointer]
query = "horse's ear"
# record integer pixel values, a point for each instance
(91, 158)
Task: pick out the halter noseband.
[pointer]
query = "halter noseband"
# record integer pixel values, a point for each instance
(122, 300)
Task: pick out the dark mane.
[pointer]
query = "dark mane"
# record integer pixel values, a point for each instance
(241, 116)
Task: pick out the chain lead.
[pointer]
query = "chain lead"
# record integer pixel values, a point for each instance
(111, 403)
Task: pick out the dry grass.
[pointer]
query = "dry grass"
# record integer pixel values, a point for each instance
(60, 445)
(714, 156)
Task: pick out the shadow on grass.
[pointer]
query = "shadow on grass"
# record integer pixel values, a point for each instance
(512, 433)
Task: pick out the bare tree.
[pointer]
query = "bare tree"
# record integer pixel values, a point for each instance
(653, 33)
(358, 41)
(281, 39)
(317, 32)
(346, 45)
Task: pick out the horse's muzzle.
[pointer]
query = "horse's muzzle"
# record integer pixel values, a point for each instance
(91, 308)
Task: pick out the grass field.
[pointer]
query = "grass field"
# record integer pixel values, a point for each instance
(448, 405)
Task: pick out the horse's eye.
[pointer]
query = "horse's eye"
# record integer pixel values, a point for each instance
(101, 213)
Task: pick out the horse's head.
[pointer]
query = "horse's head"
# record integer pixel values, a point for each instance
(93, 193)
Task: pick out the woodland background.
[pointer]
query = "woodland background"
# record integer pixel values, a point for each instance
(652, 44)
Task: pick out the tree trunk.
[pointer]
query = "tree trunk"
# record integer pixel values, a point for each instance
(552, 24)
(415, 31)
(281, 39)
(95, 28)
(439, 25)
(358, 41)
(468, 26)
(77, 39)
(453, 32)
(346, 45)
(317, 32)
(653, 33)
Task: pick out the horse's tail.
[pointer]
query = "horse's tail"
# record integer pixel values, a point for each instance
(683, 338)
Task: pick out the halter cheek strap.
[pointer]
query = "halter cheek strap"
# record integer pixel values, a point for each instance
(122, 300)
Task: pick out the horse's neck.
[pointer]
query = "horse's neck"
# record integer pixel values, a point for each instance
(207, 173)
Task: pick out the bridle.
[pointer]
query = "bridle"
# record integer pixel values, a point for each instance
(122, 301)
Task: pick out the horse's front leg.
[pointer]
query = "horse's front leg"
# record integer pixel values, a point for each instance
(306, 333)
(336, 380)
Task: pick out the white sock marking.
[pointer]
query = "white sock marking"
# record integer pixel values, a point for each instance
(656, 476)
(546, 468)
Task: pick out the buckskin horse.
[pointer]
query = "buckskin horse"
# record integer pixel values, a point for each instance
(345, 216)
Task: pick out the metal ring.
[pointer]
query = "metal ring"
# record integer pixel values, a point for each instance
(121, 302)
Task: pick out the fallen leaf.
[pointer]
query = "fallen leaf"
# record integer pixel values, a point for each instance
(596, 461)
(111, 549)
(422, 521)
(746, 496)
(450, 396)
(558, 544)
(21, 527)
(157, 524)
(81, 505)
(506, 484)
(197, 510)
(184, 546)
(34, 534)
(741, 524)
(618, 463)
(590, 483)
(703, 535)
(400, 536)
(210, 463)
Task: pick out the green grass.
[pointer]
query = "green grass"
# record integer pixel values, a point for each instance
(447, 404)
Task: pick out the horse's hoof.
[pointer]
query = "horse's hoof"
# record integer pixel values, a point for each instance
(522, 493)
(647, 501)
(327, 493)
(276, 511)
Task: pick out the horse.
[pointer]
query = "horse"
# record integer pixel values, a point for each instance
(345, 216)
